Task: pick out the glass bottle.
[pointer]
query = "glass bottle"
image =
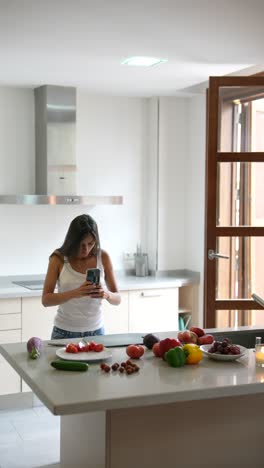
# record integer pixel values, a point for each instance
(259, 352)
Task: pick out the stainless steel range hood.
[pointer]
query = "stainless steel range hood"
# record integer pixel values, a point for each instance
(56, 169)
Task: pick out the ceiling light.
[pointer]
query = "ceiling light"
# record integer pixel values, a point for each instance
(143, 61)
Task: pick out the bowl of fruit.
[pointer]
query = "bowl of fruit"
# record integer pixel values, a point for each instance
(223, 350)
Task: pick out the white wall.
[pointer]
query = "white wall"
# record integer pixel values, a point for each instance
(150, 181)
(110, 148)
(165, 182)
(173, 137)
(195, 189)
(17, 141)
(110, 158)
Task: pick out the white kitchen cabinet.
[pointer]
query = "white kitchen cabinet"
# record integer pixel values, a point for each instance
(116, 317)
(153, 310)
(37, 320)
(10, 381)
(10, 321)
(10, 306)
(10, 332)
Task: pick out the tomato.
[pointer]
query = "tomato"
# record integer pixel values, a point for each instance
(71, 348)
(86, 348)
(99, 347)
(92, 346)
(135, 351)
(80, 348)
(156, 350)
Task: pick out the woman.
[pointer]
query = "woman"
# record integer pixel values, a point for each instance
(80, 301)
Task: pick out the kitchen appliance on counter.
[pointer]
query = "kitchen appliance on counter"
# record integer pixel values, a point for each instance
(141, 263)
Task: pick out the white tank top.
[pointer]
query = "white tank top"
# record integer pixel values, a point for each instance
(81, 314)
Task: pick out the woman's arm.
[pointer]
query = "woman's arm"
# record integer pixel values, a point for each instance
(49, 297)
(112, 294)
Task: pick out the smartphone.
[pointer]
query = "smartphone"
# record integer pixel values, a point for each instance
(93, 275)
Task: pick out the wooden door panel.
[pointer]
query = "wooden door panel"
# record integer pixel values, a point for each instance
(237, 98)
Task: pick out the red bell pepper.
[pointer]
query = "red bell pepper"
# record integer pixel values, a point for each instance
(166, 344)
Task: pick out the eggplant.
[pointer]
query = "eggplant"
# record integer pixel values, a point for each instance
(149, 340)
(34, 347)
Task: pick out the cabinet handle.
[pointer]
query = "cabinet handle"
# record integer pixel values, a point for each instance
(150, 294)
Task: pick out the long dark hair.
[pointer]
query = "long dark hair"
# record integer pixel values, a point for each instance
(80, 227)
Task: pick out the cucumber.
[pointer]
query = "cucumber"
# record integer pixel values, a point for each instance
(70, 365)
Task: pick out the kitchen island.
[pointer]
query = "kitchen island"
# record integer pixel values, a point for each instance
(22, 315)
(206, 415)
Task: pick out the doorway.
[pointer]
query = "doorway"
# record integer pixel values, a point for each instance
(234, 237)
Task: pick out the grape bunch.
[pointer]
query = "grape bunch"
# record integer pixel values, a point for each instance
(224, 347)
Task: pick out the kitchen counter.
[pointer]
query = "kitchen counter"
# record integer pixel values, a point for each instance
(156, 383)
(125, 282)
(165, 409)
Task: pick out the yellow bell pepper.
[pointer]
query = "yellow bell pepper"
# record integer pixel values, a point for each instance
(193, 353)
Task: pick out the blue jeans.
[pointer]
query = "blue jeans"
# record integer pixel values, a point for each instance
(59, 334)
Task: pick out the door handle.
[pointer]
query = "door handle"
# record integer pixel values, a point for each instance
(212, 255)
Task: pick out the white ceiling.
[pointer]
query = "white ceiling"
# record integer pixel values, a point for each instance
(82, 42)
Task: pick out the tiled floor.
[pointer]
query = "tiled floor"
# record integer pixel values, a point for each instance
(29, 438)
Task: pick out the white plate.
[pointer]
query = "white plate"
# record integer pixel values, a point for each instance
(223, 357)
(90, 356)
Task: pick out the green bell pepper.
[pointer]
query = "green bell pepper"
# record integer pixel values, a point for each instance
(175, 357)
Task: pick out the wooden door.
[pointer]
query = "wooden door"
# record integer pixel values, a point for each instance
(234, 224)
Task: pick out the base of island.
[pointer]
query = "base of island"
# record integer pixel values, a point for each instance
(202, 433)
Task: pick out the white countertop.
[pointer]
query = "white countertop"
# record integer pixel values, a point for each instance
(125, 282)
(70, 392)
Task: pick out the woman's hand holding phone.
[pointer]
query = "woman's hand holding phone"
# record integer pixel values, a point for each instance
(95, 289)
(92, 290)
(85, 289)
(92, 286)
(100, 293)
